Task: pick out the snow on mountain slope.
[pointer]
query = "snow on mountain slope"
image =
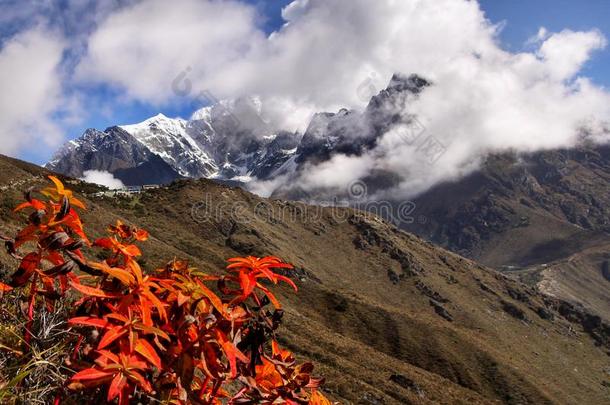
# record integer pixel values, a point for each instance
(109, 150)
(227, 140)
(230, 140)
(168, 138)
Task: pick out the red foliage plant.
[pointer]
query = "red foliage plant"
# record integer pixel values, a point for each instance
(166, 335)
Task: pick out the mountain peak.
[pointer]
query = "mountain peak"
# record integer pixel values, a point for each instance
(412, 83)
(230, 139)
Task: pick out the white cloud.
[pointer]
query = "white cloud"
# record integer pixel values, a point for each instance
(567, 51)
(103, 178)
(156, 40)
(31, 91)
(484, 99)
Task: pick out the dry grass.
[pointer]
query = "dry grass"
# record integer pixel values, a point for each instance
(33, 373)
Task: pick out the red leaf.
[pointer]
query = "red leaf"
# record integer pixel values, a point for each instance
(111, 335)
(93, 292)
(91, 374)
(25, 235)
(104, 243)
(269, 294)
(232, 354)
(88, 321)
(287, 280)
(117, 384)
(29, 263)
(247, 282)
(34, 203)
(148, 352)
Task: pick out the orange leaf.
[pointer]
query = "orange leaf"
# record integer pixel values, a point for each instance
(232, 353)
(29, 263)
(145, 385)
(36, 204)
(5, 288)
(156, 302)
(111, 335)
(247, 282)
(181, 299)
(122, 275)
(77, 203)
(91, 374)
(148, 352)
(93, 292)
(58, 184)
(269, 294)
(131, 250)
(141, 235)
(151, 330)
(216, 302)
(117, 384)
(88, 321)
(318, 399)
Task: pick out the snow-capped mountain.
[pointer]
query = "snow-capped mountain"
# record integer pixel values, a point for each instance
(170, 140)
(230, 141)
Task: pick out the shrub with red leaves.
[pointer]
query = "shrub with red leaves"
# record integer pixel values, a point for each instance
(165, 336)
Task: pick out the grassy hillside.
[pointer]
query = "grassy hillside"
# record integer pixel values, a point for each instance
(385, 316)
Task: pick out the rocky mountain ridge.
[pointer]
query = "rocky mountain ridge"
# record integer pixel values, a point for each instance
(230, 141)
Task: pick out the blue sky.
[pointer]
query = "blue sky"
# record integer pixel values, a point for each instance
(524, 17)
(103, 105)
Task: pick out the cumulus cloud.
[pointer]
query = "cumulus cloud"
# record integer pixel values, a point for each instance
(157, 40)
(103, 178)
(31, 90)
(567, 51)
(332, 54)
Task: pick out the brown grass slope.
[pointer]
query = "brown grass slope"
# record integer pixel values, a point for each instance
(583, 278)
(531, 212)
(386, 317)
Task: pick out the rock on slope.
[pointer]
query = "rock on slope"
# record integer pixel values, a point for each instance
(386, 317)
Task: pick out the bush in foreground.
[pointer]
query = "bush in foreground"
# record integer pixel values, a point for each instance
(134, 337)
